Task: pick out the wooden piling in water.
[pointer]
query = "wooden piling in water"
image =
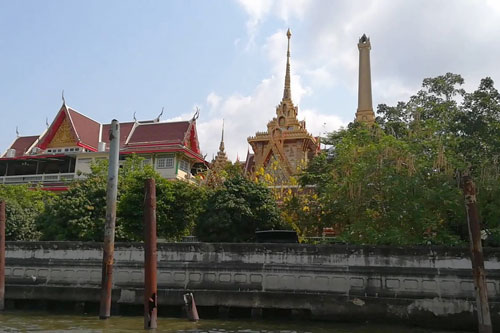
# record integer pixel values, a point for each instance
(109, 228)
(483, 310)
(150, 256)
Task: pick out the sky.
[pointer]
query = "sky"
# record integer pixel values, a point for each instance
(117, 58)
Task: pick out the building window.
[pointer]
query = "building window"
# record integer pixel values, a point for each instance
(184, 165)
(165, 162)
(146, 161)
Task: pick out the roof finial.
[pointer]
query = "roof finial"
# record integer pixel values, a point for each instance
(158, 118)
(63, 99)
(196, 114)
(287, 93)
(135, 119)
(47, 122)
(17, 131)
(221, 146)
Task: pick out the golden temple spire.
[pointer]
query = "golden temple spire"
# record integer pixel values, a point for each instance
(221, 146)
(287, 94)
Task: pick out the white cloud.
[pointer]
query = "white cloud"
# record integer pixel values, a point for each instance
(318, 123)
(213, 100)
(259, 10)
(256, 10)
(410, 41)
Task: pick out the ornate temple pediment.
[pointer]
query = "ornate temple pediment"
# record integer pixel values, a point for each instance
(286, 140)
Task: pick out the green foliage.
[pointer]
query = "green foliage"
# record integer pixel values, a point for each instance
(23, 206)
(397, 182)
(235, 211)
(219, 172)
(177, 204)
(79, 213)
(303, 210)
(381, 193)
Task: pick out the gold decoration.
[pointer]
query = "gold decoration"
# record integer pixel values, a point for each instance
(284, 134)
(63, 137)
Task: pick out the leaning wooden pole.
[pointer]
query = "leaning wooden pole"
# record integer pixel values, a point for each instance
(483, 310)
(2, 255)
(109, 228)
(150, 256)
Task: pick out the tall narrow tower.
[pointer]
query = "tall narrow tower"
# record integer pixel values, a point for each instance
(365, 112)
(221, 158)
(286, 145)
(287, 94)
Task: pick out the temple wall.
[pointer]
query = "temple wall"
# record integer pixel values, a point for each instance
(424, 284)
(294, 153)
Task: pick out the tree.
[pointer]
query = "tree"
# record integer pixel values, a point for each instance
(220, 171)
(178, 205)
(23, 206)
(398, 181)
(235, 211)
(380, 192)
(79, 213)
(478, 126)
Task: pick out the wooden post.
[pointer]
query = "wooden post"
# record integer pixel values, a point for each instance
(109, 228)
(483, 310)
(150, 256)
(2, 255)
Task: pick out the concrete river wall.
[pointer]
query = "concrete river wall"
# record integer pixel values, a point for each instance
(429, 285)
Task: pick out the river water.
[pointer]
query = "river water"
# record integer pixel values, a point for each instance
(17, 321)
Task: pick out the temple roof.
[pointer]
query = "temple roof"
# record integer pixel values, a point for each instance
(71, 128)
(22, 144)
(249, 163)
(286, 139)
(87, 129)
(125, 129)
(174, 132)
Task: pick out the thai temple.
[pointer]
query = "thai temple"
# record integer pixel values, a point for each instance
(67, 148)
(214, 176)
(285, 145)
(70, 144)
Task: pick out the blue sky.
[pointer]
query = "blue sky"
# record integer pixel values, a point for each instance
(114, 58)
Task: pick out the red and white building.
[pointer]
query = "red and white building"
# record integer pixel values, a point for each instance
(67, 148)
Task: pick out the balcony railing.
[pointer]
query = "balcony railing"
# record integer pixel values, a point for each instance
(37, 179)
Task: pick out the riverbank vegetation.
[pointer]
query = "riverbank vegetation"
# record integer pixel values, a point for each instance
(396, 182)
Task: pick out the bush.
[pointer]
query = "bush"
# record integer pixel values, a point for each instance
(23, 206)
(235, 211)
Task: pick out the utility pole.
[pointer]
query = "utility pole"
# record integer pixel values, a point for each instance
(2, 255)
(150, 256)
(109, 228)
(483, 310)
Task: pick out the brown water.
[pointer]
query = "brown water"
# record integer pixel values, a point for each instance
(17, 321)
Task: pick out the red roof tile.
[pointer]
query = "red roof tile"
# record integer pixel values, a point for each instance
(125, 129)
(160, 133)
(86, 129)
(250, 163)
(22, 144)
